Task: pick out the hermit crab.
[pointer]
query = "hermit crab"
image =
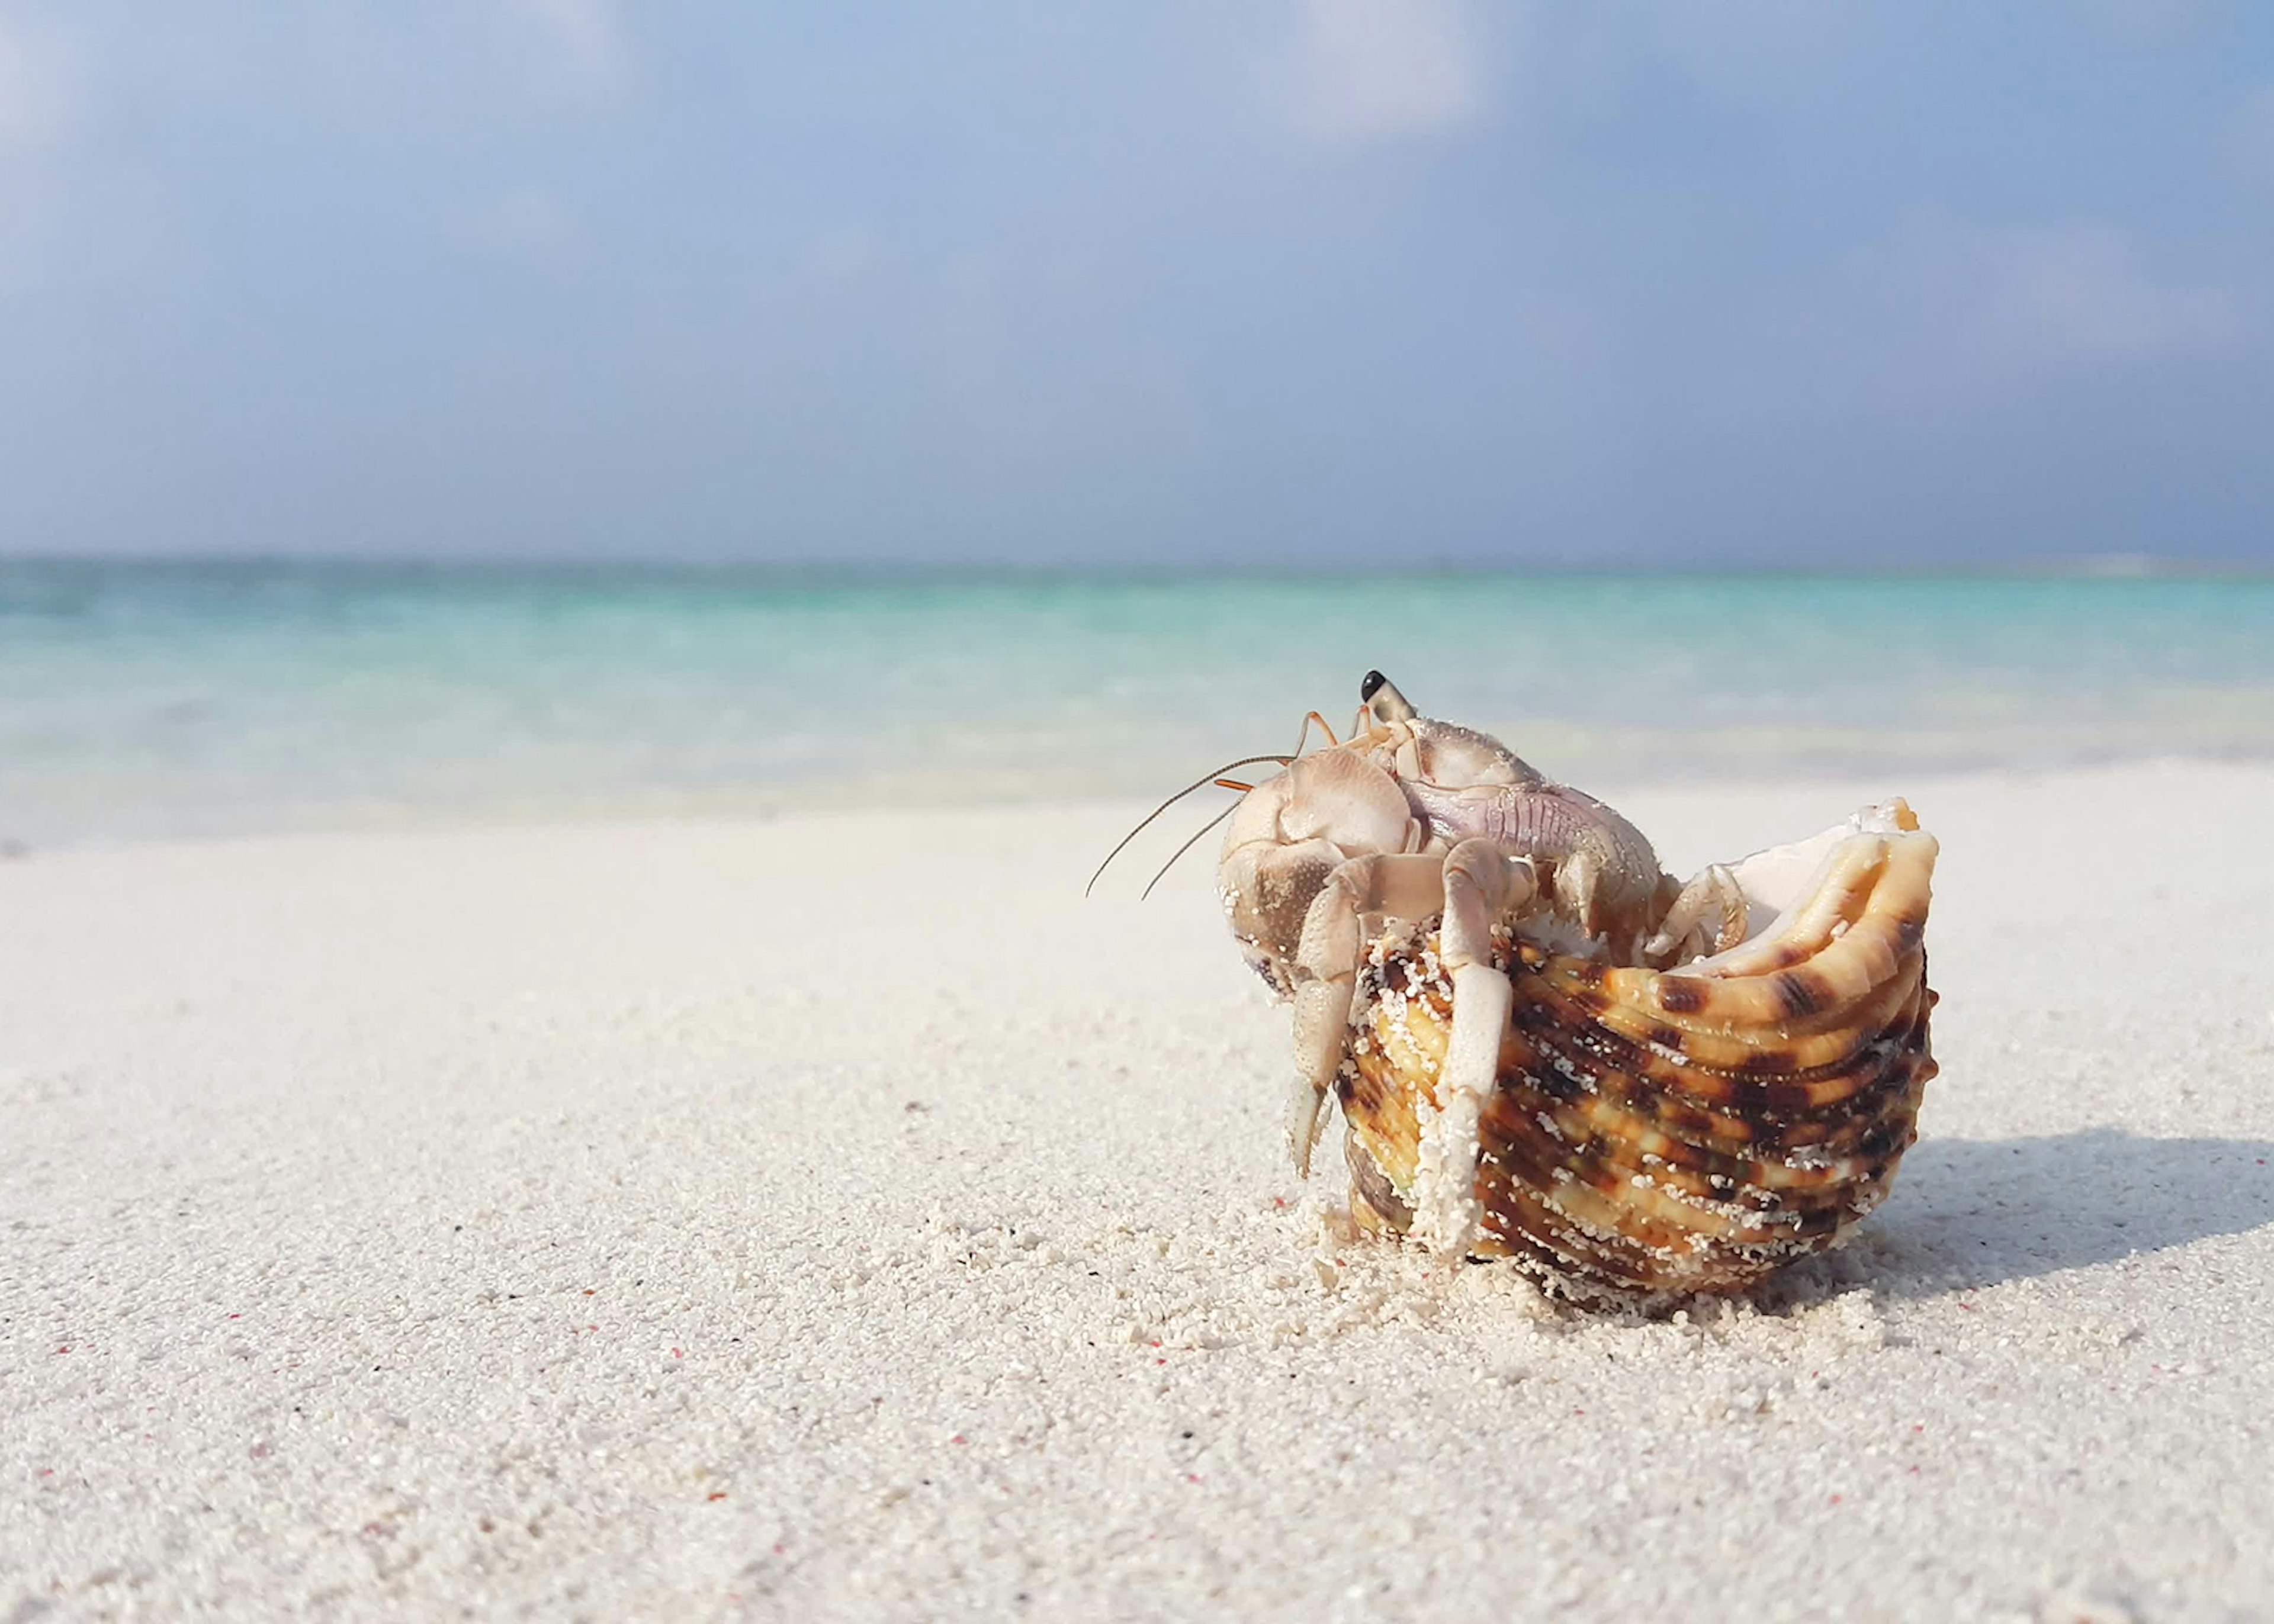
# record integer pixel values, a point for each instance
(1546, 1049)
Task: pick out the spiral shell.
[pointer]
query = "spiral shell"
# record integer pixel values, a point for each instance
(1680, 1132)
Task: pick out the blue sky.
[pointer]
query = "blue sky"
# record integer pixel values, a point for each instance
(1351, 282)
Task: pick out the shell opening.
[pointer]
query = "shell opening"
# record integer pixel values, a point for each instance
(1777, 879)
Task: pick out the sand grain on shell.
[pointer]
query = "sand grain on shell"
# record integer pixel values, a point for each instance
(723, 1219)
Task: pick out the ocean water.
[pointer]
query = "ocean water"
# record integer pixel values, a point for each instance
(145, 699)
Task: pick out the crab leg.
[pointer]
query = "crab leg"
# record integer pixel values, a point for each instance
(1483, 882)
(1407, 884)
(1715, 890)
(1474, 884)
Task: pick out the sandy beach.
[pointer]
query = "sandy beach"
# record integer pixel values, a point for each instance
(841, 1217)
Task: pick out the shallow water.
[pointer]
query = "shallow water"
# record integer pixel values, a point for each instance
(141, 699)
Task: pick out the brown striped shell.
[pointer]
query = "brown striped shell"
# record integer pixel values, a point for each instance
(1680, 1131)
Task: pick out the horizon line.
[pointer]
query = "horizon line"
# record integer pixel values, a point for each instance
(2083, 567)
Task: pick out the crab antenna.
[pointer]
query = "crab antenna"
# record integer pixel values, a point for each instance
(1202, 782)
(1186, 846)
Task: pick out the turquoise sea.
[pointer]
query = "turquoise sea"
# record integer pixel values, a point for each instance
(155, 699)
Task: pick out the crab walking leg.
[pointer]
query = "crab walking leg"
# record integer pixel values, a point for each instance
(1406, 885)
(1483, 882)
(1474, 884)
(1713, 891)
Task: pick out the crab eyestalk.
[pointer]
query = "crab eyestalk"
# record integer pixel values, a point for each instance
(1379, 696)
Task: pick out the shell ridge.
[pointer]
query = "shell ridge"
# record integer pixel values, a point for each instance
(1654, 1131)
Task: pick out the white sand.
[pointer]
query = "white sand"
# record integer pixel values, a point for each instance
(686, 1220)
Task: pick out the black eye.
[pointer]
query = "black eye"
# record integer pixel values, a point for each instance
(1371, 685)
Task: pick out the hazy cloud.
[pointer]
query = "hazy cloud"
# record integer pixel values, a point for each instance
(840, 252)
(1752, 50)
(38, 89)
(1997, 304)
(1368, 69)
(2086, 290)
(2250, 140)
(2152, 23)
(526, 222)
(587, 33)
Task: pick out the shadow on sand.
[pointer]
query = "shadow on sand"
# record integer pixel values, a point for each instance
(1966, 1213)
